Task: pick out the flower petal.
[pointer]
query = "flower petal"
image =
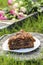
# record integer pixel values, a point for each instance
(9, 2)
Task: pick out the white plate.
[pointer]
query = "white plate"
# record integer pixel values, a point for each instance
(36, 45)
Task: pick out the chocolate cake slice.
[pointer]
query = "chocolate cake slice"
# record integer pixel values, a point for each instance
(21, 40)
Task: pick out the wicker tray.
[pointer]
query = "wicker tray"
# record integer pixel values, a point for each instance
(38, 53)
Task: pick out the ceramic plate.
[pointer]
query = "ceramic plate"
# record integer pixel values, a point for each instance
(36, 45)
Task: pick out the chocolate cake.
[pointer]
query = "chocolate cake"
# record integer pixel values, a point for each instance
(21, 40)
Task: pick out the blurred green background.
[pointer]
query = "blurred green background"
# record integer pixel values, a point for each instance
(3, 3)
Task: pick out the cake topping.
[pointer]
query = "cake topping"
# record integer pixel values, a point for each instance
(22, 39)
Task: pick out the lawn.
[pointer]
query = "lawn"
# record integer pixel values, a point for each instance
(7, 60)
(31, 24)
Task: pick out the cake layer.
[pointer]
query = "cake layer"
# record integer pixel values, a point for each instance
(21, 40)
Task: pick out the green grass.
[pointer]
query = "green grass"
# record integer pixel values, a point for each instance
(7, 60)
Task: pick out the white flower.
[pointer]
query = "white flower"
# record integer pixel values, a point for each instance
(20, 3)
(32, 3)
(16, 5)
(23, 9)
(14, 19)
(15, 13)
(16, 9)
(25, 15)
(20, 13)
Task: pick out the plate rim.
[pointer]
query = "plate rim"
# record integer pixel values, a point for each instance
(19, 49)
